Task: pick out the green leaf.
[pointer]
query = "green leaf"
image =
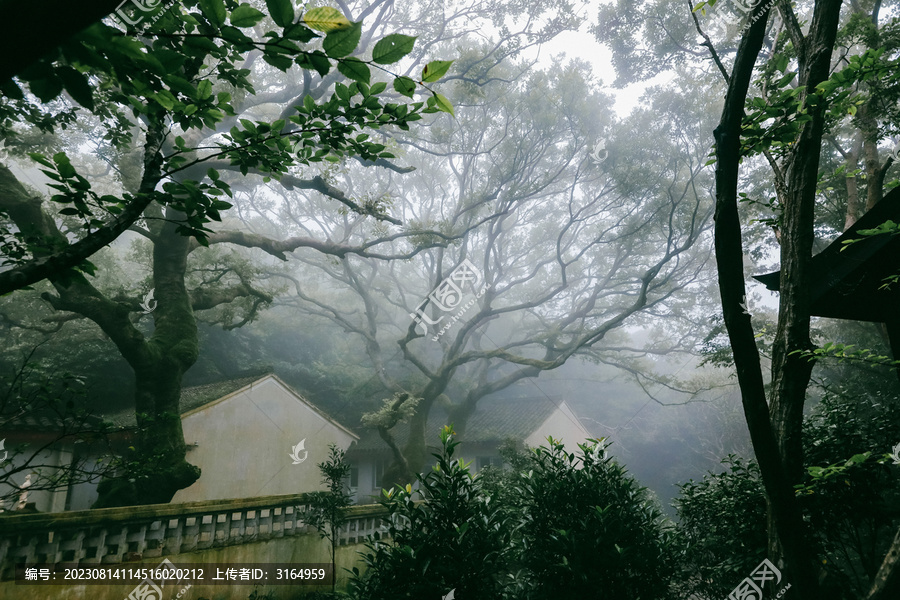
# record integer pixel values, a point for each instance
(40, 159)
(77, 85)
(392, 48)
(320, 63)
(235, 36)
(46, 88)
(434, 70)
(299, 33)
(203, 43)
(405, 86)
(326, 19)
(282, 63)
(214, 10)
(443, 104)
(246, 16)
(781, 62)
(9, 89)
(180, 84)
(165, 99)
(282, 12)
(339, 44)
(355, 69)
(204, 89)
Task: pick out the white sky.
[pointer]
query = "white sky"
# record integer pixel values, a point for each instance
(582, 44)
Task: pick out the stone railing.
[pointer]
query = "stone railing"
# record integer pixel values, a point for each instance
(114, 535)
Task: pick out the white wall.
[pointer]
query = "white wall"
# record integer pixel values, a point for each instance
(44, 500)
(245, 441)
(563, 425)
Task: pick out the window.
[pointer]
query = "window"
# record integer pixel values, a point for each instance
(488, 461)
(354, 478)
(380, 466)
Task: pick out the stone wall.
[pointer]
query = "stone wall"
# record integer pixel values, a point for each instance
(266, 529)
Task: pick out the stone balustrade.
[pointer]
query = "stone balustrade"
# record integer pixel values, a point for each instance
(115, 535)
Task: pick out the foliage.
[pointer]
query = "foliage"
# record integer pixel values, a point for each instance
(721, 525)
(455, 538)
(847, 353)
(851, 490)
(326, 509)
(396, 409)
(561, 523)
(847, 496)
(36, 393)
(184, 65)
(585, 525)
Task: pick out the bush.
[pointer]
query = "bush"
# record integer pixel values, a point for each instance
(570, 526)
(587, 529)
(722, 525)
(848, 496)
(454, 539)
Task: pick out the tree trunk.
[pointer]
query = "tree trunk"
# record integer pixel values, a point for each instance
(159, 467)
(415, 449)
(852, 214)
(775, 433)
(886, 585)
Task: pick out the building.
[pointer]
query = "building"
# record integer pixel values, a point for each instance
(524, 421)
(253, 436)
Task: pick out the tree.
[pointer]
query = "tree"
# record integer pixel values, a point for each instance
(326, 509)
(775, 428)
(153, 86)
(568, 252)
(718, 526)
(847, 497)
(775, 441)
(813, 108)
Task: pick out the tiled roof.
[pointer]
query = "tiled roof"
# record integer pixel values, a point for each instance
(191, 398)
(494, 420)
(48, 421)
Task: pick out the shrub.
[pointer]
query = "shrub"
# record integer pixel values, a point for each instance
(455, 538)
(587, 529)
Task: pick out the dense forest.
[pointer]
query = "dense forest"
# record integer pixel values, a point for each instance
(410, 210)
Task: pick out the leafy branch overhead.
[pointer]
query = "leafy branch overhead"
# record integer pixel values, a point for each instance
(182, 67)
